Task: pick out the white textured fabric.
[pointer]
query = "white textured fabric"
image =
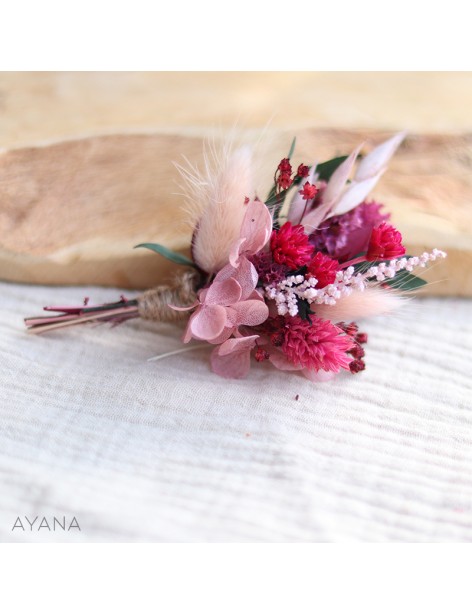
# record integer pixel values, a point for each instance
(167, 451)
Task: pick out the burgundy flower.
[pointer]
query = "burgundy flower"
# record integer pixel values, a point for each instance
(303, 170)
(290, 246)
(268, 271)
(356, 366)
(260, 354)
(323, 268)
(284, 181)
(344, 236)
(319, 345)
(285, 166)
(385, 243)
(308, 191)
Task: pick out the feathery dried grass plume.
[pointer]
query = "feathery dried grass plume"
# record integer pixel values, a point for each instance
(373, 301)
(214, 199)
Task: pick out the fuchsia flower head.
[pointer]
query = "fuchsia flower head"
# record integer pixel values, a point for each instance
(317, 345)
(323, 268)
(385, 243)
(290, 246)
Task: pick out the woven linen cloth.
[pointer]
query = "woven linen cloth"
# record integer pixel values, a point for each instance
(168, 451)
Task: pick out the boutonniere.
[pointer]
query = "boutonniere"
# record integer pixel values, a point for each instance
(281, 279)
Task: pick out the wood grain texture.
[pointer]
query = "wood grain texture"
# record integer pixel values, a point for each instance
(86, 171)
(40, 107)
(71, 212)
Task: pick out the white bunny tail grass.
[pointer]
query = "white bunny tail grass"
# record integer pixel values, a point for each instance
(215, 202)
(373, 301)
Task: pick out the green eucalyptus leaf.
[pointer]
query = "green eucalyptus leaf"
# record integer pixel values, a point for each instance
(405, 281)
(168, 253)
(326, 169)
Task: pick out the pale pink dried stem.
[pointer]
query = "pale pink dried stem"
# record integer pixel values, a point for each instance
(39, 325)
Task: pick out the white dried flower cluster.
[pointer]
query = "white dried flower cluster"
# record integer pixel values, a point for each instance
(287, 292)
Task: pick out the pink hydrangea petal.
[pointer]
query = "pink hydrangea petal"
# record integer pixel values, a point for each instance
(246, 276)
(235, 252)
(256, 226)
(319, 376)
(232, 366)
(225, 335)
(280, 361)
(248, 313)
(208, 322)
(225, 273)
(224, 292)
(255, 296)
(232, 359)
(237, 344)
(187, 336)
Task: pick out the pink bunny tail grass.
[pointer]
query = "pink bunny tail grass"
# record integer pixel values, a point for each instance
(371, 302)
(215, 200)
(116, 313)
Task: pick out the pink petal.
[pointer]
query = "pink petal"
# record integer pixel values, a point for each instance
(248, 313)
(235, 252)
(225, 335)
(298, 204)
(256, 226)
(208, 322)
(280, 361)
(246, 276)
(333, 190)
(232, 359)
(233, 366)
(237, 344)
(188, 333)
(339, 177)
(354, 195)
(313, 220)
(255, 296)
(177, 308)
(318, 376)
(225, 273)
(378, 158)
(224, 292)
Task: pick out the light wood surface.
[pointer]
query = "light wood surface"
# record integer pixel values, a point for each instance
(72, 207)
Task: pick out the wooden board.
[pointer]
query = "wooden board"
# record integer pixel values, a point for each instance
(70, 212)
(38, 107)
